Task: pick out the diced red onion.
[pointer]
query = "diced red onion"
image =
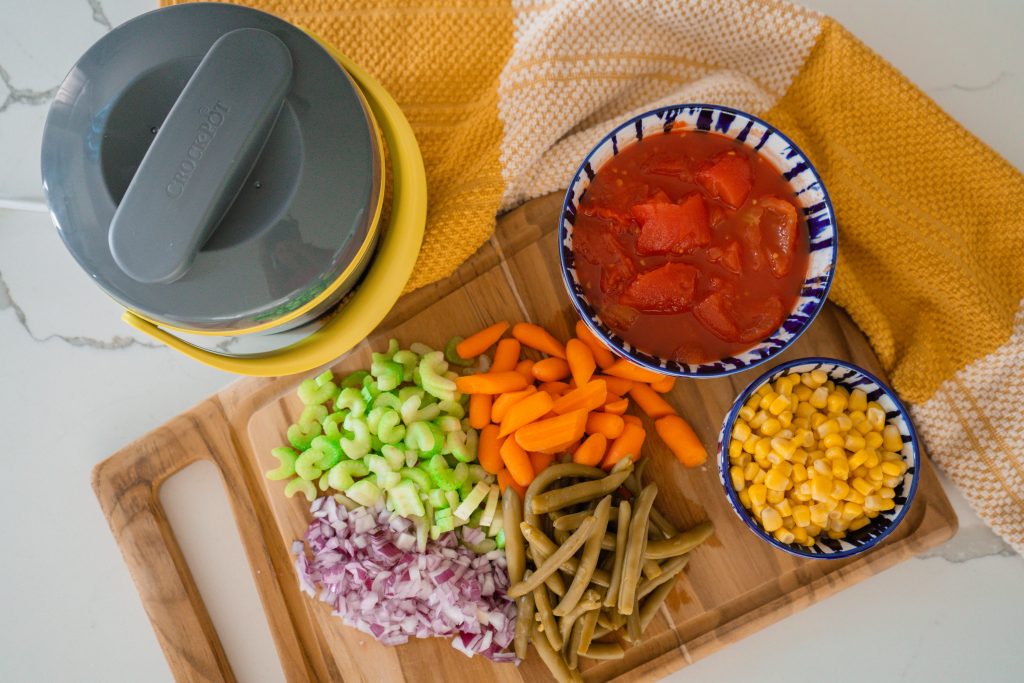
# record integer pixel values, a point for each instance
(366, 566)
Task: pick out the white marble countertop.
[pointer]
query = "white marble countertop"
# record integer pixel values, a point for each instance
(76, 384)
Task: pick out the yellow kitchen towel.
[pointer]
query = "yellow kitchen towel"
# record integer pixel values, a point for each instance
(506, 96)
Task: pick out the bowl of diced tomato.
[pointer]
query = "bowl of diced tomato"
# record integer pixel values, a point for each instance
(697, 240)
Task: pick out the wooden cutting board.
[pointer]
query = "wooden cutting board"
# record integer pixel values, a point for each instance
(734, 585)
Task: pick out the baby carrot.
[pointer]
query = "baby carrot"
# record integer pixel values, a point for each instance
(517, 462)
(480, 410)
(524, 412)
(616, 407)
(488, 450)
(506, 401)
(608, 424)
(505, 480)
(590, 396)
(525, 368)
(540, 461)
(602, 355)
(475, 344)
(627, 370)
(506, 355)
(536, 337)
(617, 385)
(650, 401)
(628, 443)
(581, 361)
(679, 436)
(550, 370)
(632, 420)
(664, 385)
(552, 433)
(491, 383)
(591, 451)
(554, 388)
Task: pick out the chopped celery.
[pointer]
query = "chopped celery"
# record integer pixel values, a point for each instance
(324, 377)
(477, 473)
(459, 446)
(406, 499)
(388, 373)
(465, 488)
(342, 475)
(354, 380)
(324, 482)
(453, 499)
(388, 480)
(390, 429)
(484, 546)
(332, 421)
(286, 469)
(471, 502)
(302, 486)
(443, 524)
(499, 540)
(350, 399)
(313, 413)
(444, 477)
(448, 423)
(405, 393)
(330, 450)
(493, 492)
(306, 464)
(364, 492)
(369, 390)
(420, 348)
(358, 444)
(301, 436)
(432, 369)
(424, 437)
(387, 399)
(452, 355)
(373, 419)
(312, 393)
(394, 456)
(408, 361)
(437, 498)
(453, 408)
(418, 477)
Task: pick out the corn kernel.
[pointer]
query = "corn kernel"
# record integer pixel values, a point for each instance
(784, 447)
(834, 507)
(823, 468)
(766, 399)
(832, 441)
(819, 398)
(888, 504)
(786, 418)
(804, 437)
(852, 511)
(804, 409)
(891, 438)
(770, 427)
(802, 391)
(779, 404)
(799, 457)
(774, 497)
(854, 442)
(835, 453)
(858, 458)
(862, 487)
(783, 385)
(840, 489)
(771, 519)
(758, 494)
(784, 536)
(820, 488)
(743, 460)
(875, 474)
(776, 480)
(892, 482)
(787, 522)
(844, 422)
(756, 509)
(800, 535)
(827, 427)
(871, 514)
(836, 402)
(841, 468)
(784, 507)
(763, 447)
(799, 473)
(749, 444)
(859, 523)
(873, 439)
(858, 400)
(785, 433)
(819, 377)
(785, 468)
(836, 535)
(876, 416)
(855, 496)
(735, 448)
(817, 419)
(759, 479)
(736, 476)
(762, 390)
(801, 514)
(774, 458)
(741, 431)
(750, 471)
(863, 426)
(744, 497)
(746, 413)
(886, 492)
(758, 419)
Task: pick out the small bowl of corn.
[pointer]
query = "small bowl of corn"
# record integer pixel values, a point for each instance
(819, 458)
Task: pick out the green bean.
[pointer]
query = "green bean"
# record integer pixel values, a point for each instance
(601, 632)
(550, 565)
(633, 630)
(635, 548)
(590, 601)
(556, 499)
(612, 596)
(659, 520)
(572, 520)
(588, 560)
(539, 554)
(681, 543)
(524, 620)
(650, 607)
(550, 476)
(286, 456)
(546, 546)
(547, 620)
(589, 623)
(650, 568)
(669, 571)
(604, 651)
(553, 659)
(515, 550)
(572, 647)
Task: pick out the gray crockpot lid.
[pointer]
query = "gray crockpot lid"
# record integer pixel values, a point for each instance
(210, 166)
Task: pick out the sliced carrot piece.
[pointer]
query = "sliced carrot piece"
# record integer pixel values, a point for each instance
(627, 370)
(552, 432)
(563, 447)
(617, 385)
(475, 344)
(525, 368)
(679, 436)
(591, 451)
(488, 449)
(617, 407)
(602, 354)
(632, 420)
(554, 388)
(541, 461)
(608, 424)
(550, 370)
(581, 361)
(664, 385)
(517, 462)
(590, 396)
(506, 401)
(650, 401)
(506, 355)
(480, 410)
(628, 443)
(524, 412)
(491, 383)
(505, 480)
(536, 337)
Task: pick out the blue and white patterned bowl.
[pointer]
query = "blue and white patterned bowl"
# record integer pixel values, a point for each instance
(851, 377)
(798, 172)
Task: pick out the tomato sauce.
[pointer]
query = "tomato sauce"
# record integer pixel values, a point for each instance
(690, 246)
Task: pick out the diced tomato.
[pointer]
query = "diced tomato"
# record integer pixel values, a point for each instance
(728, 256)
(667, 289)
(728, 177)
(778, 231)
(713, 313)
(761, 320)
(618, 317)
(615, 277)
(672, 228)
(750, 235)
(597, 244)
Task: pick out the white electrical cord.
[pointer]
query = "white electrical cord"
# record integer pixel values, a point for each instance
(23, 205)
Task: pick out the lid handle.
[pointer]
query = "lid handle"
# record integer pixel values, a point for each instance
(201, 155)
